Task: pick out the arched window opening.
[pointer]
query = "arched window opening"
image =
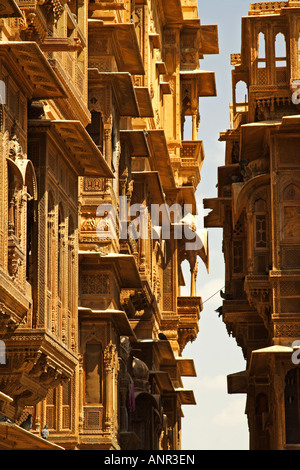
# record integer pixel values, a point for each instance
(188, 128)
(185, 279)
(186, 117)
(241, 97)
(280, 59)
(280, 50)
(261, 51)
(241, 92)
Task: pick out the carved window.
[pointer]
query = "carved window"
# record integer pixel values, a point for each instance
(60, 252)
(261, 247)
(30, 240)
(238, 237)
(93, 360)
(238, 256)
(260, 224)
(66, 405)
(51, 408)
(291, 405)
(71, 263)
(50, 242)
(291, 213)
(261, 60)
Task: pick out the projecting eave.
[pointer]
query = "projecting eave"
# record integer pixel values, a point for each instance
(163, 381)
(215, 217)
(123, 264)
(28, 65)
(186, 397)
(154, 185)
(172, 10)
(163, 350)
(253, 137)
(160, 158)
(13, 437)
(83, 153)
(137, 142)
(144, 102)
(186, 195)
(186, 367)
(261, 359)
(209, 43)
(125, 44)
(205, 81)
(118, 318)
(10, 9)
(238, 382)
(122, 86)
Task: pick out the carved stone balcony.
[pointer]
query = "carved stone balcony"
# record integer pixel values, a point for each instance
(35, 362)
(192, 157)
(188, 309)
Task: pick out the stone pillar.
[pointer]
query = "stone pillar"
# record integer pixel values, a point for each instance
(111, 369)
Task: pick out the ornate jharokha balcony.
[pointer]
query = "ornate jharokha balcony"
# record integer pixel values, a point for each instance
(188, 309)
(192, 157)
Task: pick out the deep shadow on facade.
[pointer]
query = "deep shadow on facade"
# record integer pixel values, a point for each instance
(94, 98)
(258, 207)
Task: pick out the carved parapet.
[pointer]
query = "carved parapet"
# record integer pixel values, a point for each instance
(267, 8)
(191, 159)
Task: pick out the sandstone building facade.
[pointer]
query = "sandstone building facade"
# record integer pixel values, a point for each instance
(258, 207)
(94, 98)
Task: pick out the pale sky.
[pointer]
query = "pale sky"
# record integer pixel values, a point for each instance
(218, 421)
